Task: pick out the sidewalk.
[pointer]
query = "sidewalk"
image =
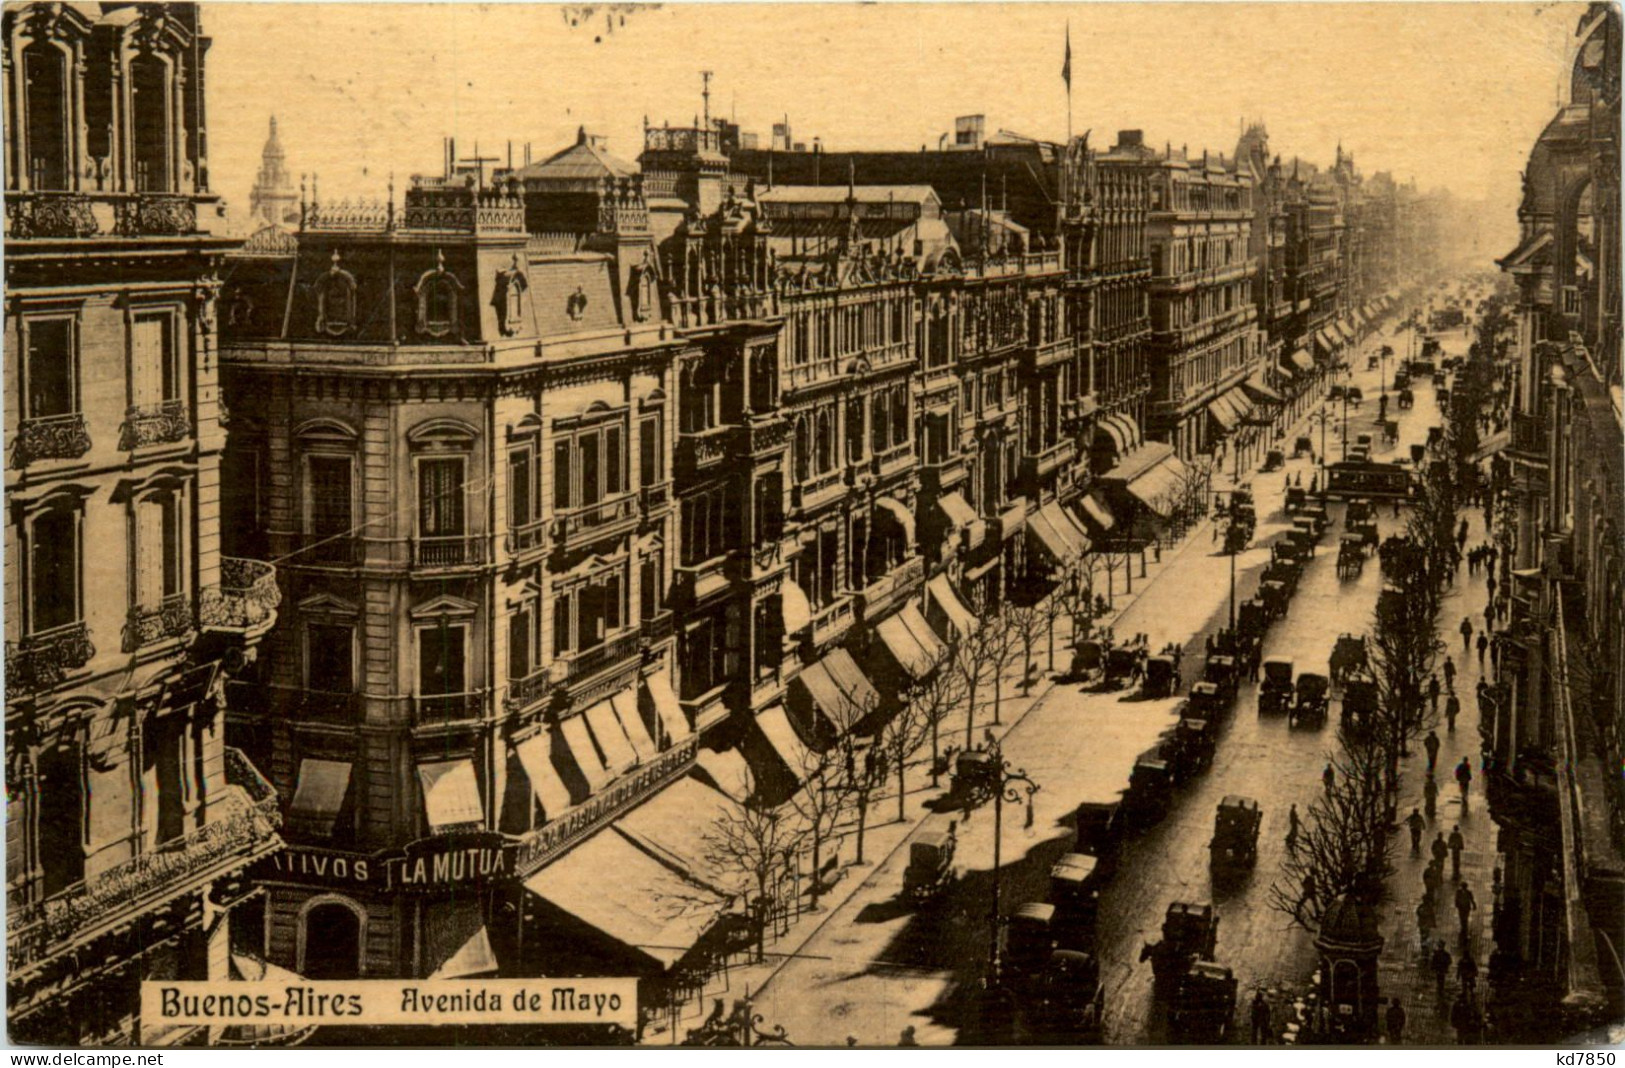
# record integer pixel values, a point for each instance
(885, 835)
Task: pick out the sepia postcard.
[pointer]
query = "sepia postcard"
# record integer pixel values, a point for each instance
(816, 525)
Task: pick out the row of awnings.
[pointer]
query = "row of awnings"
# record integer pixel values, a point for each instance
(1298, 361)
(1231, 408)
(590, 750)
(837, 691)
(1122, 430)
(961, 516)
(911, 642)
(1060, 536)
(1152, 475)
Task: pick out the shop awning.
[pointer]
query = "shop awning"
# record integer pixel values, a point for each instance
(775, 726)
(625, 704)
(1492, 445)
(1098, 513)
(981, 571)
(960, 515)
(794, 606)
(1142, 459)
(899, 512)
(318, 795)
(611, 736)
(1302, 360)
(673, 722)
(454, 934)
(1224, 412)
(614, 887)
(728, 771)
(1327, 342)
(673, 825)
(906, 636)
(853, 682)
(1159, 487)
(1262, 390)
(953, 619)
(536, 757)
(827, 698)
(584, 753)
(451, 795)
(1112, 427)
(1059, 537)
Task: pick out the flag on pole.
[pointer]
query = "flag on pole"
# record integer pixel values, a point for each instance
(1066, 67)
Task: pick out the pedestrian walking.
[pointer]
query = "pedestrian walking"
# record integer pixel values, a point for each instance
(1449, 674)
(1430, 796)
(1415, 822)
(1433, 693)
(1292, 827)
(1328, 778)
(1489, 584)
(1465, 904)
(1432, 880)
(1466, 632)
(1460, 1011)
(1464, 779)
(1440, 963)
(1483, 645)
(1467, 972)
(1424, 923)
(1431, 744)
(1456, 843)
(1439, 848)
(1452, 709)
(1396, 1022)
(1261, 1019)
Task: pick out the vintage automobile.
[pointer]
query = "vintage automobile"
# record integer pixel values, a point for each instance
(1236, 537)
(1204, 1005)
(1121, 663)
(1029, 939)
(1358, 511)
(1235, 833)
(1354, 395)
(1070, 1001)
(1350, 556)
(1310, 700)
(1220, 670)
(1349, 657)
(1088, 659)
(1306, 522)
(1099, 831)
(1440, 380)
(1150, 788)
(1302, 446)
(1275, 690)
(1316, 511)
(1407, 398)
(973, 779)
(1276, 597)
(1390, 431)
(1074, 889)
(1274, 460)
(1335, 393)
(1251, 624)
(1190, 933)
(1189, 749)
(1289, 550)
(1161, 677)
(1287, 572)
(1296, 498)
(930, 866)
(1359, 701)
(1402, 382)
(1302, 542)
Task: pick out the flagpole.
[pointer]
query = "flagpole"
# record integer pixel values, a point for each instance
(1068, 71)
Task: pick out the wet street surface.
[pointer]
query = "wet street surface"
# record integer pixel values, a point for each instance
(876, 966)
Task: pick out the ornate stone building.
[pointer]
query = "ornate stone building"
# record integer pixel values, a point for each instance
(273, 201)
(129, 822)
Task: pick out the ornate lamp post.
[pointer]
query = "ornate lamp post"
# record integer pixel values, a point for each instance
(1013, 785)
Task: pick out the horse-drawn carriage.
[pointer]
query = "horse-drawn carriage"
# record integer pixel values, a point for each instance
(1302, 446)
(1122, 663)
(1310, 701)
(930, 868)
(1407, 398)
(1358, 510)
(1276, 596)
(1068, 1001)
(1350, 556)
(974, 778)
(1288, 572)
(1274, 460)
(1275, 690)
(1349, 657)
(1089, 659)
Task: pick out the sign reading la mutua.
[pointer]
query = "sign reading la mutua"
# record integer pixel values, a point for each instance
(428, 865)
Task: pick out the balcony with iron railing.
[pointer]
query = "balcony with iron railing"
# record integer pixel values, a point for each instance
(892, 461)
(526, 539)
(1042, 461)
(574, 667)
(449, 709)
(942, 476)
(53, 437)
(43, 661)
(50, 215)
(699, 451)
(147, 425)
(1529, 438)
(831, 621)
(891, 591)
(324, 550)
(327, 708)
(609, 518)
(528, 691)
(703, 579)
(819, 490)
(144, 625)
(239, 827)
(246, 600)
(450, 551)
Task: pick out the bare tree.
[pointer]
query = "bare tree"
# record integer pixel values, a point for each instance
(1025, 625)
(1403, 649)
(866, 774)
(1002, 644)
(973, 657)
(749, 847)
(901, 737)
(933, 698)
(819, 805)
(1344, 846)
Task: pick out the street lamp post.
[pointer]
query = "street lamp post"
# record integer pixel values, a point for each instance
(1007, 784)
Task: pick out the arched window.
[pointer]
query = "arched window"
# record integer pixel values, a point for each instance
(45, 74)
(149, 89)
(330, 942)
(335, 301)
(825, 442)
(879, 423)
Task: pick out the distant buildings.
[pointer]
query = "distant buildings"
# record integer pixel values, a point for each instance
(1559, 711)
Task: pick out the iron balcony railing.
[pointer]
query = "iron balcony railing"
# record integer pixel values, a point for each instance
(447, 709)
(246, 599)
(53, 437)
(146, 625)
(450, 550)
(155, 424)
(41, 662)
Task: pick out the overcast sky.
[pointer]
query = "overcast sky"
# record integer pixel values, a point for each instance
(1452, 94)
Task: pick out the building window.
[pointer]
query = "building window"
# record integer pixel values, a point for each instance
(159, 549)
(149, 81)
(803, 451)
(523, 642)
(769, 638)
(899, 415)
(442, 659)
(54, 593)
(329, 496)
(437, 294)
(441, 512)
(854, 430)
(880, 423)
(651, 580)
(45, 74)
(597, 609)
(61, 797)
(521, 487)
(155, 372)
(824, 443)
(50, 373)
(855, 578)
(707, 526)
(596, 457)
(705, 657)
(330, 657)
(769, 510)
(651, 451)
